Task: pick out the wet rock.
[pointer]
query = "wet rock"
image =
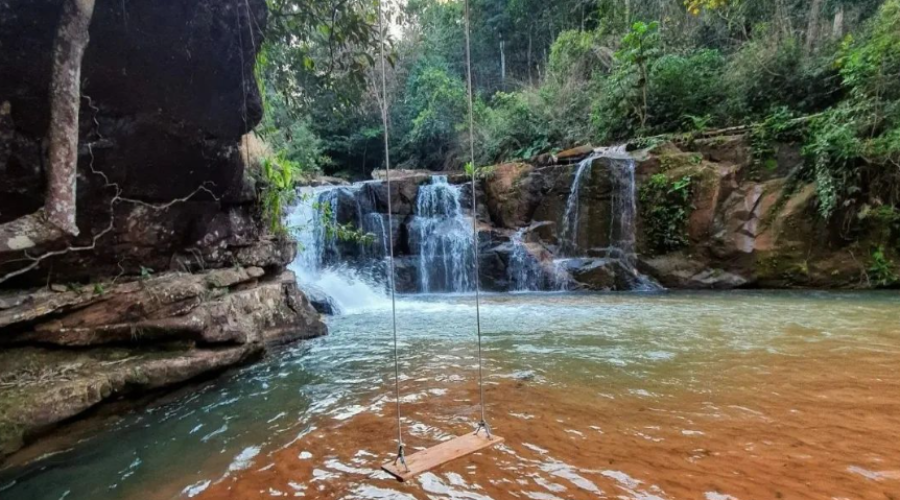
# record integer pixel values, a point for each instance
(574, 155)
(508, 197)
(678, 270)
(407, 274)
(267, 254)
(419, 176)
(596, 274)
(727, 149)
(81, 348)
(320, 301)
(42, 388)
(403, 195)
(324, 180)
(594, 208)
(227, 306)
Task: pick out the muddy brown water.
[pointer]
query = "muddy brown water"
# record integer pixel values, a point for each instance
(671, 396)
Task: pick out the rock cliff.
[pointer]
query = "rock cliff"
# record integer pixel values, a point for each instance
(697, 214)
(173, 275)
(744, 225)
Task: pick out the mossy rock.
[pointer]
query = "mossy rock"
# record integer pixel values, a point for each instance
(677, 161)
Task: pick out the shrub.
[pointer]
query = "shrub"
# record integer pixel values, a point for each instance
(854, 148)
(277, 191)
(623, 107)
(772, 71)
(685, 85)
(511, 128)
(881, 270)
(832, 150)
(665, 209)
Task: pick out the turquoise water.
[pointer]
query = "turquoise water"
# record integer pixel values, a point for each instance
(620, 342)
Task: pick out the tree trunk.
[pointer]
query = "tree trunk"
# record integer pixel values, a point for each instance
(812, 25)
(57, 218)
(782, 19)
(530, 68)
(502, 63)
(65, 103)
(837, 28)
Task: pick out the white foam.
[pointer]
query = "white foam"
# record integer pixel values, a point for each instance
(196, 489)
(244, 459)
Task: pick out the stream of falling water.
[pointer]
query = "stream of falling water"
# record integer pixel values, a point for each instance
(623, 225)
(443, 239)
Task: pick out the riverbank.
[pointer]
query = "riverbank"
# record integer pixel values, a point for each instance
(679, 395)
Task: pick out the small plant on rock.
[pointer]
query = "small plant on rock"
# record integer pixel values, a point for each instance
(665, 208)
(278, 191)
(882, 269)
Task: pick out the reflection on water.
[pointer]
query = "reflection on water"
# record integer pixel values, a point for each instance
(623, 396)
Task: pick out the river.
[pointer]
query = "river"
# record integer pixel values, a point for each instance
(714, 396)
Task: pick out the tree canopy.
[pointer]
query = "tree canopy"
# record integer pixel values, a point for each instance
(549, 75)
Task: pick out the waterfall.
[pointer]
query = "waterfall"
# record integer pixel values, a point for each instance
(623, 226)
(523, 270)
(568, 236)
(443, 239)
(324, 265)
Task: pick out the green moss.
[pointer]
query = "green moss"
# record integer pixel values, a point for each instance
(791, 269)
(675, 161)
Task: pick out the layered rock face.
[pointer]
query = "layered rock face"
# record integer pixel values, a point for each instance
(65, 351)
(577, 221)
(746, 226)
(173, 275)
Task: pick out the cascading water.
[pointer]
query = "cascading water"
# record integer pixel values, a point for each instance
(622, 237)
(568, 235)
(523, 270)
(443, 239)
(323, 262)
(527, 272)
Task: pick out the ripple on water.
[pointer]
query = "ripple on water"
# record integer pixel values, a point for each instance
(457, 489)
(616, 349)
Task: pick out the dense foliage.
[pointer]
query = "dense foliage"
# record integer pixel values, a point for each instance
(665, 210)
(552, 74)
(549, 75)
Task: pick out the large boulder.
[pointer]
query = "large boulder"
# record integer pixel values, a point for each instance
(682, 271)
(91, 344)
(174, 275)
(168, 94)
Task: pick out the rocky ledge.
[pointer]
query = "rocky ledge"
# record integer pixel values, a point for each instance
(66, 350)
(173, 275)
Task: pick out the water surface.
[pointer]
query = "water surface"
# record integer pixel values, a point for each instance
(728, 395)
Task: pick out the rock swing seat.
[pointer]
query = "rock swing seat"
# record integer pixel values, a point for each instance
(403, 467)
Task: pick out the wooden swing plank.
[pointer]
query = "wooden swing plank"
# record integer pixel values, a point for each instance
(436, 456)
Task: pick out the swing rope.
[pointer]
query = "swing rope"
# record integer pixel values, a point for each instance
(401, 458)
(483, 424)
